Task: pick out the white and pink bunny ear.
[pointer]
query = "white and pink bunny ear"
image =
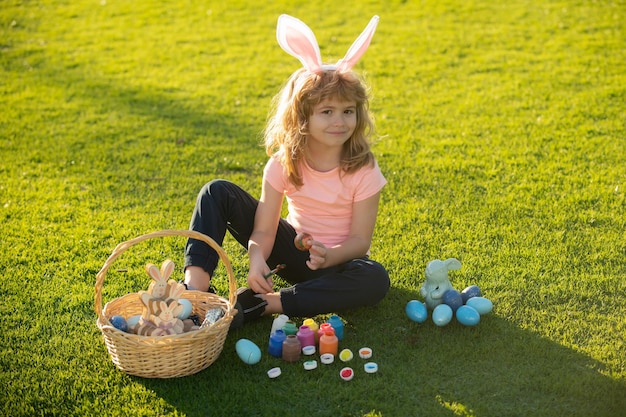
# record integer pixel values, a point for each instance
(166, 269)
(359, 47)
(298, 40)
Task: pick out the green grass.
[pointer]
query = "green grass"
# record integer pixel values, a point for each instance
(503, 138)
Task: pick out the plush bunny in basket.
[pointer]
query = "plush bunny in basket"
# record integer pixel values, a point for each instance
(161, 307)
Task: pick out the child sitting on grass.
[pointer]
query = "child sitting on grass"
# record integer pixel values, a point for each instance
(318, 143)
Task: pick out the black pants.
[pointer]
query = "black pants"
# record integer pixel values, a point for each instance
(222, 206)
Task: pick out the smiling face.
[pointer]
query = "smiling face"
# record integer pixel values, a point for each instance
(332, 122)
(303, 130)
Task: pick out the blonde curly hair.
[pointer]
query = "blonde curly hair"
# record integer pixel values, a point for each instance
(287, 127)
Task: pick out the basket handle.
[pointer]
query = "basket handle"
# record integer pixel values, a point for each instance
(122, 247)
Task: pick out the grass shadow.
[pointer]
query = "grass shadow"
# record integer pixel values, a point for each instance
(127, 126)
(493, 369)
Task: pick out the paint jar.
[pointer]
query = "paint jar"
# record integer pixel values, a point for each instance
(306, 336)
(322, 330)
(290, 328)
(314, 328)
(329, 342)
(337, 324)
(291, 349)
(279, 322)
(275, 347)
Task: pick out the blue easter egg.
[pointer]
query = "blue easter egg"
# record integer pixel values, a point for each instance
(247, 351)
(453, 299)
(133, 321)
(119, 323)
(467, 316)
(416, 311)
(480, 304)
(187, 308)
(442, 314)
(469, 292)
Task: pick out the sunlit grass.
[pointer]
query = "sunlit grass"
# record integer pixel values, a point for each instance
(502, 135)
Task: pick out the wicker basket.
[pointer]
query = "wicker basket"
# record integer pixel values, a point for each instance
(165, 356)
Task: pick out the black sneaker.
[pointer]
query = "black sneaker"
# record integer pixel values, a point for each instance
(249, 307)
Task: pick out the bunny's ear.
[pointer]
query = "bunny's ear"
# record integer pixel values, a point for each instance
(298, 40)
(166, 269)
(176, 289)
(453, 264)
(359, 47)
(154, 272)
(177, 310)
(145, 297)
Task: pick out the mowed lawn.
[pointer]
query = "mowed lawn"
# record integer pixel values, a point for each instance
(502, 134)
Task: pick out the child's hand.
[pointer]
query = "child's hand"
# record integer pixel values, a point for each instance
(258, 283)
(317, 255)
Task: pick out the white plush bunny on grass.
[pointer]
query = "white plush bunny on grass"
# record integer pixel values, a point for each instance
(437, 281)
(298, 40)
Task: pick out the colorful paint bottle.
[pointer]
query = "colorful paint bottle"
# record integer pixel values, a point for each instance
(275, 347)
(291, 349)
(322, 330)
(329, 342)
(279, 322)
(306, 336)
(314, 328)
(290, 328)
(337, 324)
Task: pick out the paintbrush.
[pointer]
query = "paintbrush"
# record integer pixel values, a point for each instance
(275, 270)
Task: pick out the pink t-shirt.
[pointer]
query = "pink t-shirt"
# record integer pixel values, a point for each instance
(323, 206)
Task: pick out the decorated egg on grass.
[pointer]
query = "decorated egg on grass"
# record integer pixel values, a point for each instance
(416, 311)
(469, 292)
(452, 298)
(480, 304)
(442, 314)
(247, 351)
(187, 308)
(119, 323)
(467, 316)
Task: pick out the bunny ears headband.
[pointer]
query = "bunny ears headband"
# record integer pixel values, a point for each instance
(298, 40)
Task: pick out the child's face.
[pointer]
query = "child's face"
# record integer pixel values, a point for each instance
(332, 122)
